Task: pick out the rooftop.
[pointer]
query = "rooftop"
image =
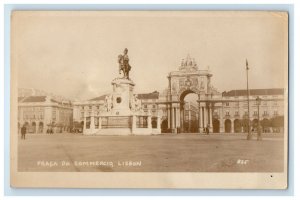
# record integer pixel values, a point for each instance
(98, 98)
(32, 99)
(35, 99)
(254, 92)
(153, 95)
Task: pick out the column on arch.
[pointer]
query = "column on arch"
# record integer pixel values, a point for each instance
(181, 116)
(171, 118)
(203, 117)
(199, 116)
(190, 118)
(178, 122)
(206, 115)
(168, 115)
(174, 118)
(210, 116)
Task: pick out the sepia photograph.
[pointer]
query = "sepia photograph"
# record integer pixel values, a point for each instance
(149, 99)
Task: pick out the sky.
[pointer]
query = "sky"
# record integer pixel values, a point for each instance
(74, 53)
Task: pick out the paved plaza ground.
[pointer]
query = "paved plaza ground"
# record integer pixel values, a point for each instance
(160, 153)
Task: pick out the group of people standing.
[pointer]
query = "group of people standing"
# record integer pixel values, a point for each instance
(49, 131)
(206, 129)
(24, 131)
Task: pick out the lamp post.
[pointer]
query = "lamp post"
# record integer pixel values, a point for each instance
(258, 101)
(248, 94)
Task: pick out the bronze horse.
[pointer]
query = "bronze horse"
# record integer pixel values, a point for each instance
(124, 64)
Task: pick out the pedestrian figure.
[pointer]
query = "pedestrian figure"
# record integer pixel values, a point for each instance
(23, 132)
(207, 129)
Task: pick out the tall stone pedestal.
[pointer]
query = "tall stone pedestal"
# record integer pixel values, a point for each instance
(122, 97)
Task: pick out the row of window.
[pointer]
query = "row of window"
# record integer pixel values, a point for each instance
(91, 107)
(98, 107)
(146, 111)
(148, 100)
(89, 114)
(33, 109)
(62, 113)
(264, 103)
(263, 97)
(148, 106)
(236, 113)
(32, 115)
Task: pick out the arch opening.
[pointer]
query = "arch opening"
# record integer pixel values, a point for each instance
(227, 126)
(237, 126)
(216, 126)
(164, 126)
(245, 125)
(189, 110)
(33, 127)
(254, 125)
(41, 127)
(266, 125)
(186, 93)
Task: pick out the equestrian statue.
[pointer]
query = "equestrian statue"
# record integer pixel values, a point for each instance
(124, 64)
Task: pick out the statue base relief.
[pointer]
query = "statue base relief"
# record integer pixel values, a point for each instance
(121, 97)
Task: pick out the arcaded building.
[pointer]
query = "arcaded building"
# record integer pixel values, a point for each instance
(41, 113)
(231, 113)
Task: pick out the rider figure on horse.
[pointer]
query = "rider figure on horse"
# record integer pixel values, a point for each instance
(124, 64)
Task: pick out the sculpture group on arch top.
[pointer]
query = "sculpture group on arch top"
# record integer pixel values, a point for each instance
(189, 79)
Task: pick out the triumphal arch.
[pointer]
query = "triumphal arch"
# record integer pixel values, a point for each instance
(189, 79)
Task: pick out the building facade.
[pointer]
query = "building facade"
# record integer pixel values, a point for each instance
(42, 113)
(82, 109)
(230, 114)
(150, 102)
